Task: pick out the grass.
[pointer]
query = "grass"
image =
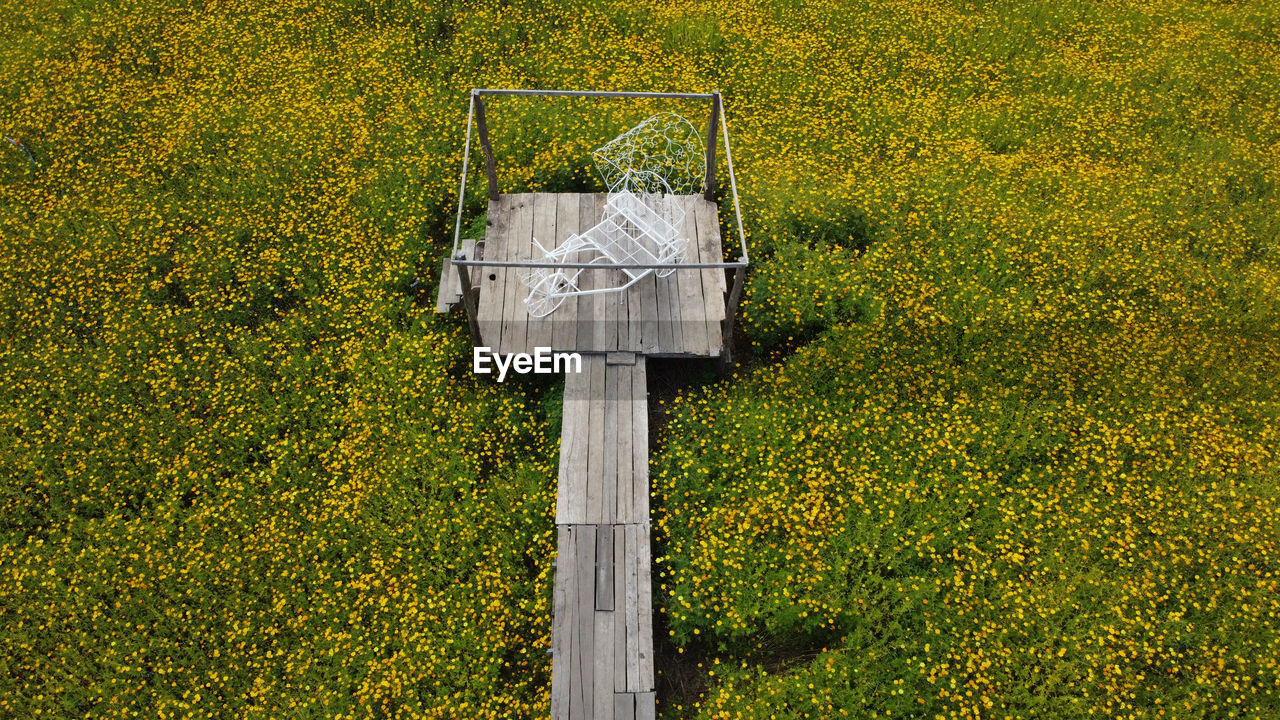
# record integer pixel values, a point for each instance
(1006, 447)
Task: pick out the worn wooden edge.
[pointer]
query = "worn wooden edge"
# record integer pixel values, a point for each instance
(632, 611)
(446, 298)
(624, 379)
(646, 706)
(602, 671)
(582, 445)
(620, 358)
(709, 250)
(491, 285)
(624, 706)
(571, 489)
(640, 441)
(693, 314)
(566, 316)
(584, 674)
(584, 338)
(560, 658)
(522, 249)
(619, 608)
(542, 231)
(610, 443)
(644, 594)
(604, 568)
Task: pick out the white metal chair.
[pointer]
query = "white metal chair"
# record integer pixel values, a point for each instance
(635, 230)
(640, 224)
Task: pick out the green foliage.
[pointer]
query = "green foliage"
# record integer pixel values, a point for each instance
(1017, 459)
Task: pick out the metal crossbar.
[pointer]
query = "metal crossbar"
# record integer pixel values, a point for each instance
(475, 114)
(595, 94)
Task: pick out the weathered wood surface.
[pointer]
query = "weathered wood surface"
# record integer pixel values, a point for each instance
(602, 631)
(604, 445)
(489, 166)
(675, 316)
(450, 290)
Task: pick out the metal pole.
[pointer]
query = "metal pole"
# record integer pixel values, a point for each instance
(594, 94)
(733, 183)
(483, 127)
(710, 182)
(598, 266)
(462, 188)
(730, 311)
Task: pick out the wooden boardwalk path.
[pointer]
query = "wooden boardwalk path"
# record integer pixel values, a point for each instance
(602, 631)
(602, 635)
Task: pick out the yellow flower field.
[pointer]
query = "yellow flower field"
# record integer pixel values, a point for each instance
(1002, 442)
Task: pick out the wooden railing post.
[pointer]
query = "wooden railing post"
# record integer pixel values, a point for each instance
(469, 297)
(710, 183)
(489, 166)
(730, 312)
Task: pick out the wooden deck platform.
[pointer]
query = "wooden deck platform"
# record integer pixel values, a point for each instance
(679, 315)
(602, 632)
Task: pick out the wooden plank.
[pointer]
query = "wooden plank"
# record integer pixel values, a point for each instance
(572, 629)
(619, 608)
(673, 313)
(583, 676)
(506, 276)
(603, 675)
(645, 596)
(605, 306)
(663, 307)
(650, 316)
(674, 280)
(614, 316)
(623, 330)
(707, 226)
(449, 292)
(571, 491)
(624, 706)
(606, 303)
(515, 325)
(604, 569)
(709, 218)
(640, 441)
(544, 232)
(635, 319)
(584, 340)
(565, 318)
(626, 444)
(492, 290)
(596, 440)
(632, 606)
(560, 658)
(645, 706)
(577, 459)
(451, 280)
(693, 314)
(620, 358)
(609, 443)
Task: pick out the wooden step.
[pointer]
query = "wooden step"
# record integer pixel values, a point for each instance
(450, 284)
